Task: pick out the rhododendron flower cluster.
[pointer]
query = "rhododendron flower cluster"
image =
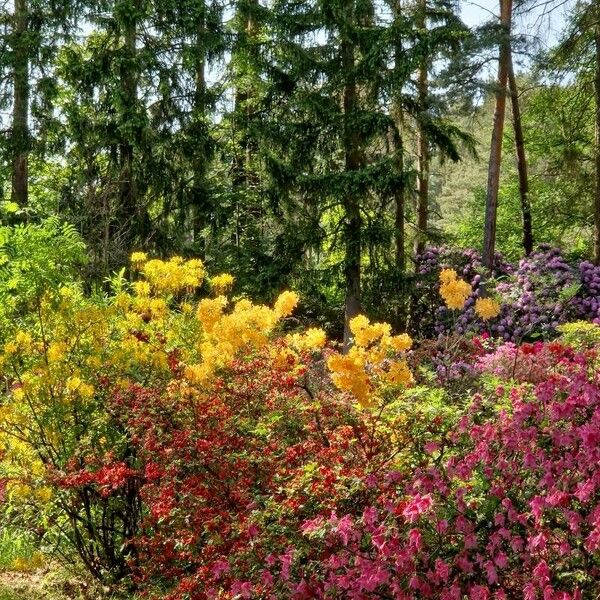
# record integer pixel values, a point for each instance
(533, 297)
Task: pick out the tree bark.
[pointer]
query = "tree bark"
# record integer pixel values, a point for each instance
(493, 184)
(351, 205)
(130, 217)
(198, 204)
(521, 160)
(597, 140)
(20, 125)
(400, 192)
(243, 110)
(423, 157)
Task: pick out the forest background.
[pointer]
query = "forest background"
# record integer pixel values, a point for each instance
(314, 145)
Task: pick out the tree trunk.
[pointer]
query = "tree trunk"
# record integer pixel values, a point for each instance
(597, 142)
(521, 160)
(491, 203)
(243, 109)
(351, 205)
(400, 192)
(20, 125)
(131, 226)
(198, 218)
(423, 158)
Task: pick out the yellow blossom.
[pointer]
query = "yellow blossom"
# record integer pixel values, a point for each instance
(400, 343)
(44, 494)
(487, 308)
(141, 288)
(399, 373)
(138, 258)
(348, 374)
(286, 303)
(311, 339)
(365, 333)
(447, 276)
(56, 352)
(175, 275)
(210, 311)
(454, 291)
(11, 348)
(73, 384)
(23, 339)
(222, 283)
(76, 385)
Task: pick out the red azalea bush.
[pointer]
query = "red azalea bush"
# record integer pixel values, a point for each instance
(231, 475)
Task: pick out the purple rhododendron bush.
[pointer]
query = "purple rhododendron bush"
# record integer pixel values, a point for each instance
(538, 294)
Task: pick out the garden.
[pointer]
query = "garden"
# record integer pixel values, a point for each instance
(176, 442)
(300, 300)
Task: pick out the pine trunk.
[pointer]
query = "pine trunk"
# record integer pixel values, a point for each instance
(400, 192)
(597, 144)
(353, 225)
(130, 220)
(491, 205)
(20, 125)
(423, 158)
(521, 160)
(197, 213)
(242, 107)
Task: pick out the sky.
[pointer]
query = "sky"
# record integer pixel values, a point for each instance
(540, 23)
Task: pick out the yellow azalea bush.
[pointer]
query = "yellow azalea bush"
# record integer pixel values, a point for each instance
(154, 331)
(374, 362)
(160, 331)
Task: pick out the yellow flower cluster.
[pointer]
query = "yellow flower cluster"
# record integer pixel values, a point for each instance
(138, 259)
(75, 385)
(285, 304)
(221, 284)
(487, 308)
(168, 277)
(210, 311)
(454, 291)
(226, 333)
(311, 339)
(22, 343)
(371, 362)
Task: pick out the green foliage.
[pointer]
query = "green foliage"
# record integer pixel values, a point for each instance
(581, 335)
(35, 259)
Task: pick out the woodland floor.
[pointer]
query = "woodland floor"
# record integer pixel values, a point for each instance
(45, 585)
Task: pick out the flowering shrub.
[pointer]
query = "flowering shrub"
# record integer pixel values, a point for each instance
(536, 296)
(506, 507)
(178, 439)
(69, 463)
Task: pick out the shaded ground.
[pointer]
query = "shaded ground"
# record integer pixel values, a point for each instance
(44, 585)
